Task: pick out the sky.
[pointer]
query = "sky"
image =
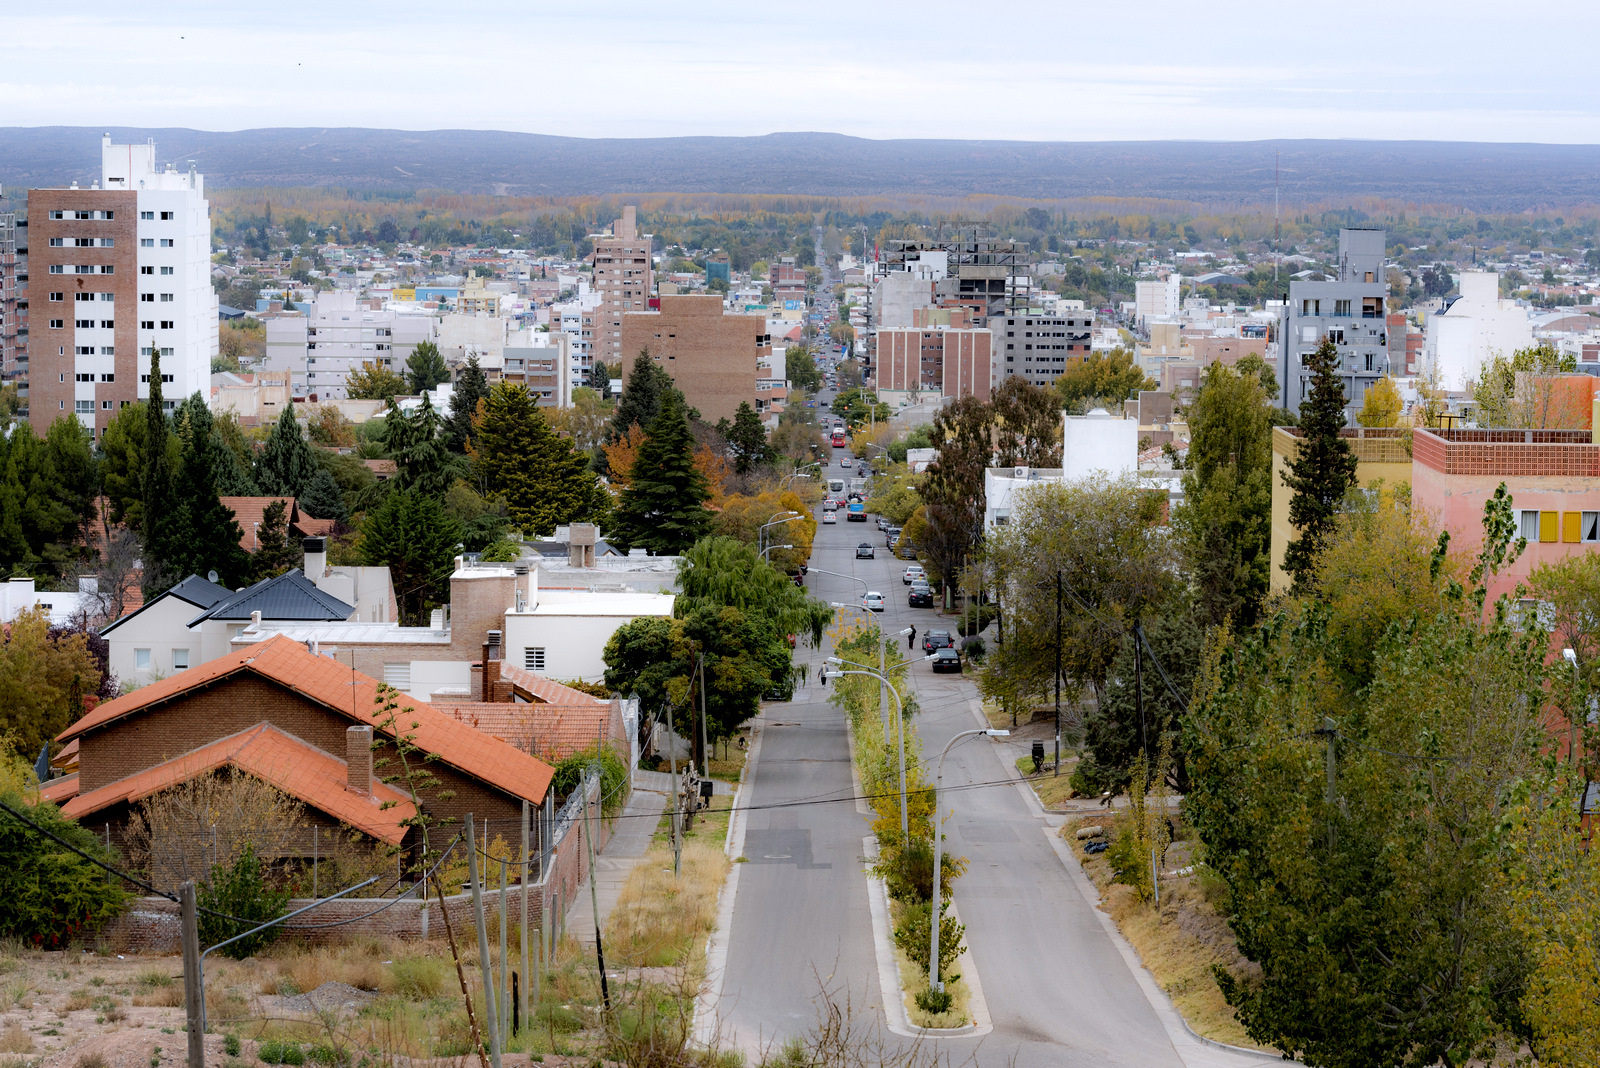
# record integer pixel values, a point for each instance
(1022, 70)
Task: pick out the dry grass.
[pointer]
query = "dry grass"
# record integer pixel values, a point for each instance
(301, 969)
(15, 1039)
(77, 1001)
(661, 920)
(1179, 945)
(914, 980)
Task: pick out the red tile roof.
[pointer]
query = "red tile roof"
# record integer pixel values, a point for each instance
(545, 691)
(335, 686)
(58, 791)
(550, 731)
(282, 760)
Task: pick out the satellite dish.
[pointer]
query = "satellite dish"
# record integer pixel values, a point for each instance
(212, 575)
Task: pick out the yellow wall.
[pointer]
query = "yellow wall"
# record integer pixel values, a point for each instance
(1377, 459)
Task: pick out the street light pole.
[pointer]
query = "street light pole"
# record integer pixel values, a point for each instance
(1057, 769)
(900, 731)
(936, 913)
(761, 533)
(769, 548)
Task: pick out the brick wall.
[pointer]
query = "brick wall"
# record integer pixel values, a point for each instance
(710, 356)
(1509, 453)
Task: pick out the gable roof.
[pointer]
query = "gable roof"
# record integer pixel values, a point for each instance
(553, 732)
(249, 512)
(300, 770)
(59, 790)
(289, 596)
(334, 686)
(194, 590)
(545, 691)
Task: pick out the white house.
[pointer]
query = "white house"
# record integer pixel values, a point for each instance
(1475, 326)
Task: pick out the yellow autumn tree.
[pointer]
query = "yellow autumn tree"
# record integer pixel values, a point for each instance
(1383, 404)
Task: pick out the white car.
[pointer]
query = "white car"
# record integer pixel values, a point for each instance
(846, 462)
(829, 518)
(913, 574)
(873, 602)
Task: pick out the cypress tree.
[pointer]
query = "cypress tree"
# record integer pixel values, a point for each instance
(212, 534)
(286, 465)
(471, 388)
(417, 449)
(663, 508)
(323, 498)
(641, 396)
(747, 439)
(413, 537)
(164, 518)
(543, 480)
(275, 553)
(1322, 472)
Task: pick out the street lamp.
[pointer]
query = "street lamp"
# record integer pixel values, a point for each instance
(900, 724)
(937, 912)
(795, 474)
(761, 532)
(769, 548)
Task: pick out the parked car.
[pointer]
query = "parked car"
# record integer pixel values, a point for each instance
(906, 549)
(890, 535)
(920, 597)
(829, 518)
(934, 640)
(912, 574)
(883, 524)
(874, 601)
(947, 660)
(864, 551)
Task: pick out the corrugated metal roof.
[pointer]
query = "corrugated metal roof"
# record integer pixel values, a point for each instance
(194, 589)
(290, 596)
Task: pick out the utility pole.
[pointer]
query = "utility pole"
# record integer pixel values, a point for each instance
(1138, 687)
(705, 754)
(594, 895)
(193, 994)
(1057, 770)
(672, 766)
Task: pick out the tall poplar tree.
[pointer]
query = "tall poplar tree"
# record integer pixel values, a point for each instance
(541, 478)
(663, 507)
(1323, 470)
(165, 517)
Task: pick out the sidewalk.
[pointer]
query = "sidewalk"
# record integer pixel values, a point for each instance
(627, 847)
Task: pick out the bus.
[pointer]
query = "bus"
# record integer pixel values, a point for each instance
(838, 437)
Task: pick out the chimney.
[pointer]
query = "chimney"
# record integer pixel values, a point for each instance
(358, 754)
(491, 673)
(316, 565)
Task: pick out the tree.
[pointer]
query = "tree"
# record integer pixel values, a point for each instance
(620, 454)
(800, 368)
(1109, 378)
(642, 395)
(662, 509)
(323, 498)
(412, 439)
(1520, 391)
(471, 388)
(953, 484)
(287, 462)
(330, 429)
(425, 368)
(212, 536)
(412, 536)
(600, 378)
(1323, 468)
(47, 497)
(741, 517)
(274, 554)
(1226, 520)
(1027, 425)
(44, 678)
(373, 381)
(747, 440)
(1383, 404)
(584, 422)
(543, 480)
(122, 464)
(164, 525)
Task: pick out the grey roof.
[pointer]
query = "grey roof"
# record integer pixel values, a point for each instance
(290, 597)
(194, 589)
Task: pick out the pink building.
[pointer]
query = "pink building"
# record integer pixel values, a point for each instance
(1553, 477)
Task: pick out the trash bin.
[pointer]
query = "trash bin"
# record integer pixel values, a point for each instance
(1038, 757)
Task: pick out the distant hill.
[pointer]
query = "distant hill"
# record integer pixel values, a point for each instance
(1480, 176)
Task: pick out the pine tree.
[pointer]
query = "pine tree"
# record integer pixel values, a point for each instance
(275, 553)
(747, 440)
(600, 378)
(286, 465)
(323, 498)
(663, 508)
(425, 368)
(165, 519)
(418, 451)
(212, 534)
(641, 396)
(471, 387)
(413, 537)
(543, 480)
(1323, 470)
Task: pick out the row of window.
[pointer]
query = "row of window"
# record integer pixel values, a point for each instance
(180, 657)
(88, 350)
(83, 268)
(58, 297)
(83, 242)
(107, 215)
(89, 377)
(1576, 527)
(152, 270)
(150, 242)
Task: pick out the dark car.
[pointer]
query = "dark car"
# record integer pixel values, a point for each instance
(947, 660)
(864, 551)
(920, 597)
(937, 639)
(890, 535)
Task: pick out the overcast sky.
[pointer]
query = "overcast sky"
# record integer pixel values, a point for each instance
(1463, 71)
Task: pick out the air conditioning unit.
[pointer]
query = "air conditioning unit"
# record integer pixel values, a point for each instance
(1020, 472)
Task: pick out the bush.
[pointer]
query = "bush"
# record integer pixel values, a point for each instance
(419, 977)
(240, 891)
(503, 551)
(933, 1002)
(230, 1045)
(911, 935)
(274, 1051)
(974, 649)
(613, 775)
(976, 618)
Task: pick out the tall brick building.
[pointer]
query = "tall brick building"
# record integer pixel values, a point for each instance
(943, 360)
(710, 355)
(624, 279)
(118, 271)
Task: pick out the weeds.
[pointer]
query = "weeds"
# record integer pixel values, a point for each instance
(15, 1039)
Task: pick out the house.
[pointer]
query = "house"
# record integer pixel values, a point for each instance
(1380, 457)
(302, 722)
(537, 715)
(250, 513)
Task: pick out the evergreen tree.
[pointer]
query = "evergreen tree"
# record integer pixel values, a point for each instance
(419, 453)
(1323, 470)
(275, 552)
(165, 520)
(46, 497)
(425, 368)
(641, 396)
(286, 463)
(541, 478)
(663, 507)
(471, 387)
(323, 498)
(600, 378)
(747, 439)
(122, 464)
(212, 534)
(411, 535)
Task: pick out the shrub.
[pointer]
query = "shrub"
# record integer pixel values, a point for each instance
(613, 775)
(933, 1002)
(911, 935)
(976, 618)
(504, 551)
(274, 1051)
(230, 1045)
(419, 977)
(240, 891)
(974, 649)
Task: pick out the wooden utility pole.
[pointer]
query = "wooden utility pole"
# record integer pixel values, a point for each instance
(193, 994)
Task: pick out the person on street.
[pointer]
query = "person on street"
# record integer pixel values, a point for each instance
(911, 639)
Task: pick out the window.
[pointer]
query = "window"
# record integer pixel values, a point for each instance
(84, 350)
(58, 324)
(1591, 526)
(56, 268)
(166, 270)
(108, 378)
(1528, 524)
(533, 659)
(147, 270)
(147, 324)
(147, 215)
(84, 268)
(108, 297)
(108, 350)
(58, 242)
(83, 323)
(108, 324)
(147, 242)
(83, 378)
(166, 242)
(58, 215)
(85, 406)
(398, 675)
(167, 324)
(148, 298)
(108, 268)
(166, 298)
(180, 660)
(105, 406)
(166, 215)
(57, 296)
(141, 660)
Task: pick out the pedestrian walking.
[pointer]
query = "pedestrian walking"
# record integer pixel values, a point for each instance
(911, 639)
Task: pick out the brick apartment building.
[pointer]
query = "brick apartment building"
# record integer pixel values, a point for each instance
(118, 271)
(624, 280)
(950, 358)
(710, 355)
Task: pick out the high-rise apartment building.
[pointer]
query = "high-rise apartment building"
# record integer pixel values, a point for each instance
(624, 280)
(945, 361)
(1039, 347)
(119, 271)
(13, 293)
(1348, 310)
(711, 356)
(337, 335)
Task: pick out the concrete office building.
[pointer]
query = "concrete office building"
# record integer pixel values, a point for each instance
(336, 336)
(13, 291)
(119, 271)
(1351, 311)
(1039, 347)
(710, 355)
(624, 280)
(945, 361)
(1155, 299)
(1476, 325)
